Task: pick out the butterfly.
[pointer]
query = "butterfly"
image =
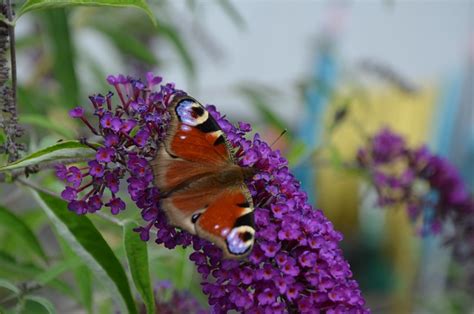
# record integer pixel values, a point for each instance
(201, 186)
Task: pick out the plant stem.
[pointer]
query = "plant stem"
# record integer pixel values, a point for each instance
(37, 187)
(11, 34)
(9, 117)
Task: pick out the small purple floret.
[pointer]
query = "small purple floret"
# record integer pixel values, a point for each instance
(77, 112)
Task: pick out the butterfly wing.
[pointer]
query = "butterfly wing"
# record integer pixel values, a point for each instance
(195, 146)
(222, 216)
(228, 222)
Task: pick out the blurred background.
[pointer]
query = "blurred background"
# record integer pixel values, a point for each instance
(330, 72)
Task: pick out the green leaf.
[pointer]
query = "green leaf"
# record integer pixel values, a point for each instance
(258, 98)
(11, 268)
(296, 152)
(21, 229)
(55, 153)
(232, 12)
(56, 270)
(89, 245)
(62, 55)
(137, 256)
(2, 137)
(43, 122)
(33, 99)
(335, 157)
(171, 34)
(129, 44)
(43, 302)
(82, 276)
(31, 5)
(10, 286)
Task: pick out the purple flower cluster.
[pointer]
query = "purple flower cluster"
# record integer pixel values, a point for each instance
(140, 119)
(428, 186)
(296, 264)
(168, 300)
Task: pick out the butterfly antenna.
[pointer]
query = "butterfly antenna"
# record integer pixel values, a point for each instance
(279, 137)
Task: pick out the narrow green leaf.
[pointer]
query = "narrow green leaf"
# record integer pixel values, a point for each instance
(296, 152)
(43, 122)
(2, 137)
(43, 302)
(11, 268)
(56, 270)
(335, 157)
(129, 44)
(8, 285)
(137, 256)
(31, 5)
(63, 55)
(232, 12)
(89, 245)
(82, 276)
(33, 99)
(258, 99)
(171, 34)
(58, 152)
(14, 223)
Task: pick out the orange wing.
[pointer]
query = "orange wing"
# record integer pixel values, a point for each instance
(195, 146)
(223, 216)
(228, 222)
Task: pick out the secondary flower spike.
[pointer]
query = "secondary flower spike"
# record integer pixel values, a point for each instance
(296, 264)
(428, 185)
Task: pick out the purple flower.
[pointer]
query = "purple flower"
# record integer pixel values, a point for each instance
(296, 262)
(152, 79)
(69, 194)
(116, 205)
(61, 172)
(80, 207)
(111, 140)
(141, 137)
(128, 125)
(106, 121)
(105, 154)
(169, 300)
(95, 168)
(387, 145)
(94, 203)
(74, 176)
(77, 112)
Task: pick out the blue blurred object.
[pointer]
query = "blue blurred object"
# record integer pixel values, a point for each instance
(316, 97)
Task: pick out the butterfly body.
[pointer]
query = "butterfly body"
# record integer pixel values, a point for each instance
(202, 188)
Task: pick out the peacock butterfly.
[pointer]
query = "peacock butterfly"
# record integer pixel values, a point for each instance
(202, 188)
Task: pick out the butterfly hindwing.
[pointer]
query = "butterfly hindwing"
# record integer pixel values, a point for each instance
(228, 221)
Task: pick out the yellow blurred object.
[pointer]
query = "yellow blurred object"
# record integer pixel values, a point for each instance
(338, 192)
